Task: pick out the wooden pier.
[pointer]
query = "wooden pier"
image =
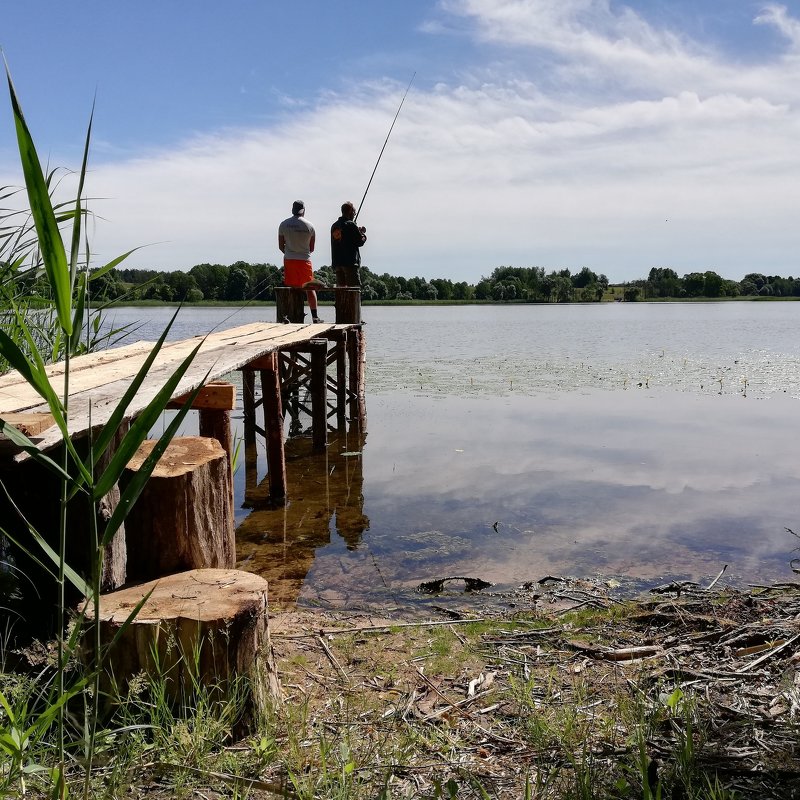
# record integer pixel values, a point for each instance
(316, 368)
(181, 529)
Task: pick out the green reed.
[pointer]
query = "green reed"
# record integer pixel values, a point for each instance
(64, 277)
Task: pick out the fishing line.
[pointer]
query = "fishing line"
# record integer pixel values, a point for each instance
(380, 155)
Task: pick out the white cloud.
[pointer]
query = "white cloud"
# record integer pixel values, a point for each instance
(778, 16)
(577, 164)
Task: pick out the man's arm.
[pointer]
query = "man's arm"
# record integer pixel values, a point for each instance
(356, 235)
(281, 243)
(312, 243)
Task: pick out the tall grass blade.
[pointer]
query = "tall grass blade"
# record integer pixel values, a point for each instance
(78, 218)
(33, 370)
(118, 414)
(118, 463)
(50, 242)
(71, 575)
(80, 309)
(24, 443)
(115, 262)
(32, 373)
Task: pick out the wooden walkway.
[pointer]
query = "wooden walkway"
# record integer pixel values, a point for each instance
(98, 380)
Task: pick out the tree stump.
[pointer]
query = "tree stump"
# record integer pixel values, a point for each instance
(29, 499)
(204, 628)
(184, 517)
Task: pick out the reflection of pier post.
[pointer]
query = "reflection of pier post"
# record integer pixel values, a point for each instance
(281, 544)
(273, 424)
(341, 380)
(319, 393)
(295, 378)
(272, 431)
(250, 448)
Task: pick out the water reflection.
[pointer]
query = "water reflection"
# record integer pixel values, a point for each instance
(638, 485)
(619, 440)
(325, 505)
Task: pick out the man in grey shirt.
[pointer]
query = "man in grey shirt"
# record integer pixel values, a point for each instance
(296, 239)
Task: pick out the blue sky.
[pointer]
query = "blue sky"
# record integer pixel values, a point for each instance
(556, 133)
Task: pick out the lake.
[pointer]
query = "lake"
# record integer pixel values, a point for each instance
(630, 441)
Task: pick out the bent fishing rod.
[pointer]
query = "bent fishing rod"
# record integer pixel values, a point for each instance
(380, 155)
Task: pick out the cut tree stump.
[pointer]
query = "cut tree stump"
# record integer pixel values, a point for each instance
(184, 516)
(204, 628)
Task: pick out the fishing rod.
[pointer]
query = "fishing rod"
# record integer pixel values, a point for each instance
(380, 155)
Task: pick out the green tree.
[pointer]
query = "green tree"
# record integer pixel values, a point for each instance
(483, 291)
(584, 278)
(712, 284)
(237, 284)
(631, 293)
(463, 291)
(211, 279)
(444, 288)
(694, 284)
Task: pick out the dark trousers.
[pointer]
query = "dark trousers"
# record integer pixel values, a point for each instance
(348, 276)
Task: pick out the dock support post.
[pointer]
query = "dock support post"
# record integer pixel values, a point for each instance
(215, 423)
(348, 305)
(289, 304)
(362, 378)
(341, 380)
(319, 388)
(273, 425)
(356, 383)
(250, 449)
(352, 372)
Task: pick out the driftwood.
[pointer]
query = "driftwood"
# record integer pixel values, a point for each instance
(184, 517)
(205, 627)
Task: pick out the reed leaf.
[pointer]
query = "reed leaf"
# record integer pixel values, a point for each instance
(50, 243)
(69, 573)
(32, 373)
(118, 414)
(96, 273)
(78, 218)
(36, 368)
(28, 446)
(80, 309)
(137, 435)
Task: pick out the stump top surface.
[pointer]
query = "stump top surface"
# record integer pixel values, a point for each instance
(181, 456)
(204, 595)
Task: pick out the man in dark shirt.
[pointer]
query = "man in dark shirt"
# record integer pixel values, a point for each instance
(346, 239)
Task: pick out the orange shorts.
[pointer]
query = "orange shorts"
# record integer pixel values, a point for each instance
(296, 272)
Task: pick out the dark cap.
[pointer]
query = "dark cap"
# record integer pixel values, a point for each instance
(298, 207)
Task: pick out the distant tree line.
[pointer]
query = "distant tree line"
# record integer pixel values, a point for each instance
(244, 281)
(664, 282)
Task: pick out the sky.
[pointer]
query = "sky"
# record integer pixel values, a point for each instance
(555, 133)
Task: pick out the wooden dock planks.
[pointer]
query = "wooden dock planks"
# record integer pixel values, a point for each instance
(98, 380)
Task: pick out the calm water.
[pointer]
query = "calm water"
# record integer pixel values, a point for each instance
(641, 442)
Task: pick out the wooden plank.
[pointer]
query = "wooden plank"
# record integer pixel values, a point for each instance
(100, 369)
(214, 396)
(91, 371)
(30, 424)
(97, 390)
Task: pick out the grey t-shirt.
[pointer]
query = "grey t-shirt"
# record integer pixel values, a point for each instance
(297, 232)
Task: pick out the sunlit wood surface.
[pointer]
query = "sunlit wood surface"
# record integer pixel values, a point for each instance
(97, 381)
